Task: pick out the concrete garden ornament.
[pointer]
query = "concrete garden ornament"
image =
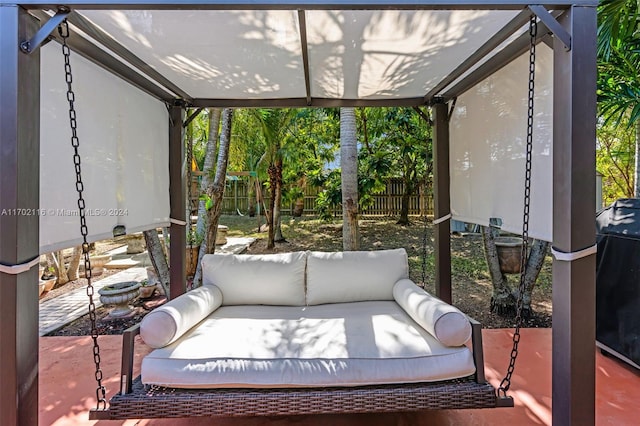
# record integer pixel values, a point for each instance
(120, 295)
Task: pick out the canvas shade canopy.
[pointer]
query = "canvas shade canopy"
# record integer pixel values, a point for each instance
(281, 57)
(267, 57)
(343, 53)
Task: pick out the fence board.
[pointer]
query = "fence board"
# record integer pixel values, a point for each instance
(388, 203)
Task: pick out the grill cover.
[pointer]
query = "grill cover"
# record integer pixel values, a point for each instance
(618, 279)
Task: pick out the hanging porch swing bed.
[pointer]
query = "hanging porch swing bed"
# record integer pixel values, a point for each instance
(304, 333)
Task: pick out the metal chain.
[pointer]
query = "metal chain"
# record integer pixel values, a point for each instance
(63, 30)
(506, 382)
(424, 251)
(190, 236)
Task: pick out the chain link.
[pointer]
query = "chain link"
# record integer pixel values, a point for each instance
(63, 30)
(190, 237)
(424, 250)
(506, 382)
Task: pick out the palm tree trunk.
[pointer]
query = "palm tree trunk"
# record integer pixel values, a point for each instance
(251, 197)
(349, 166)
(208, 169)
(273, 178)
(216, 191)
(277, 207)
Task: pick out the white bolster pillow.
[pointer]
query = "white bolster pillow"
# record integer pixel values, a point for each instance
(165, 325)
(443, 321)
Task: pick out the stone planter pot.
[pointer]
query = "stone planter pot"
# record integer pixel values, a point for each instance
(97, 264)
(509, 254)
(147, 291)
(40, 288)
(120, 295)
(153, 280)
(221, 236)
(135, 244)
(49, 283)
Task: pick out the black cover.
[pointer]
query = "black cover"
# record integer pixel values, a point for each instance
(618, 278)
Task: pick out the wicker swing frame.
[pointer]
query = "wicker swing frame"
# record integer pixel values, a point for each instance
(136, 400)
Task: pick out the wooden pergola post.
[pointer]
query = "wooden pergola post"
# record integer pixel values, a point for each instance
(178, 202)
(442, 201)
(574, 115)
(19, 224)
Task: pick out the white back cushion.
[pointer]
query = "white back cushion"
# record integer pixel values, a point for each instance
(265, 279)
(445, 322)
(354, 276)
(166, 324)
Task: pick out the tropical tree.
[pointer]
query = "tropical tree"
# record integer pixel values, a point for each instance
(410, 139)
(308, 151)
(394, 142)
(209, 161)
(197, 133)
(245, 153)
(375, 162)
(349, 166)
(274, 124)
(215, 191)
(619, 68)
(397, 143)
(615, 153)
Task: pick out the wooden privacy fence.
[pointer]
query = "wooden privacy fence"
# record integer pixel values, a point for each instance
(387, 203)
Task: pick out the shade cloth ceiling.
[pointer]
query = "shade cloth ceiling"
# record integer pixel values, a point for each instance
(261, 54)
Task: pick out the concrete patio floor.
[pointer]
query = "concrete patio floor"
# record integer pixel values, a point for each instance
(67, 388)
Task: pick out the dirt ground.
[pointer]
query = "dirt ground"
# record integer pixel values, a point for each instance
(471, 284)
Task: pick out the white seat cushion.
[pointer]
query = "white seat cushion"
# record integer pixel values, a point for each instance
(264, 279)
(354, 276)
(346, 344)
